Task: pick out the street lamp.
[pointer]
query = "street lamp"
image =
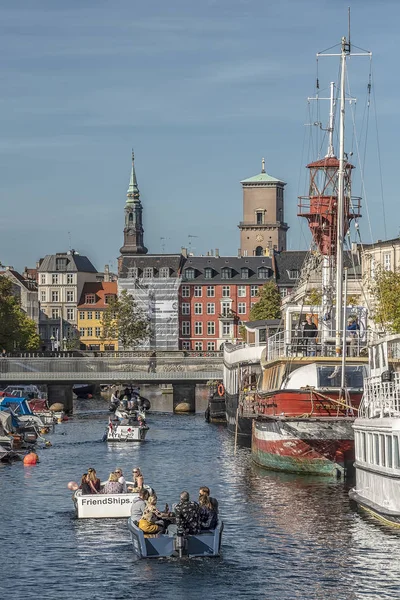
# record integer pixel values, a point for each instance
(52, 340)
(64, 342)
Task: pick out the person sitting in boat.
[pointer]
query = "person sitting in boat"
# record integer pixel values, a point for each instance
(112, 486)
(133, 403)
(208, 514)
(204, 490)
(121, 479)
(93, 481)
(152, 518)
(187, 515)
(114, 399)
(138, 505)
(85, 487)
(138, 480)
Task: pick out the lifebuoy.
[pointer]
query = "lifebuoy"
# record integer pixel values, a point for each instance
(221, 389)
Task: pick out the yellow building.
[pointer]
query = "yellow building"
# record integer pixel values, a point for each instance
(93, 302)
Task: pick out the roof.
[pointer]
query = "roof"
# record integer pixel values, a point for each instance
(100, 289)
(328, 161)
(262, 178)
(235, 263)
(29, 284)
(156, 261)
(378, 243)
(75, 262)
(286, 261)
(262, 323)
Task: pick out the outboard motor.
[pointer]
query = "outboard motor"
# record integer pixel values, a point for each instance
(180, 542)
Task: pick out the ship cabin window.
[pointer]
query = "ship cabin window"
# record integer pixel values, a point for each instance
(382, 460)
(363, 447)
(389, 452)
(330, 377)
(376, 449)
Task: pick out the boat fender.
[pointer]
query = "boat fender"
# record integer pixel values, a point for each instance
(31, 459)
(73, 486)
(221, 389)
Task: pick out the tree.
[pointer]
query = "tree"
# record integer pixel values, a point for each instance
(269, 304)
(124, 321)
(385, 290)
(314, 297)
(17, 331)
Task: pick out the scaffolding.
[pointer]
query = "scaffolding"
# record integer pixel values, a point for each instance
(157, 298)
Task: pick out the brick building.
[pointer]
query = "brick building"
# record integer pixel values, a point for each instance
(215, 296)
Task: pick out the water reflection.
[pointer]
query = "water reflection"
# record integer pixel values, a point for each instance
(286, 536)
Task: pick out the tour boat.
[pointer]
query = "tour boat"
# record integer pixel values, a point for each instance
(162, 545)
(312, 377)
(377, 435)
(126, 426)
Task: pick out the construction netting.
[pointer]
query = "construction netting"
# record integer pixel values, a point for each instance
(158, 299)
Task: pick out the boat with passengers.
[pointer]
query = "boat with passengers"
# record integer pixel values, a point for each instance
(377, 434)
(126, 426)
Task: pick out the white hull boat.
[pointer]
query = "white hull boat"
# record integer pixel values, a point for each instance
(206, 543)
(126, 433)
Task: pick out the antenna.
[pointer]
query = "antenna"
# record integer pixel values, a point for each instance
(349, 29)
(163, 242)
(69, 241)
(190, 241)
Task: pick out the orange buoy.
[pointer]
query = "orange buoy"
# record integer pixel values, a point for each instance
(221, 389)
(31, 459)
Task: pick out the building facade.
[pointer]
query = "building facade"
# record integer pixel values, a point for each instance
(26, 291)
(216, 296)
(263, 228)
(61, 278)
(94, 300)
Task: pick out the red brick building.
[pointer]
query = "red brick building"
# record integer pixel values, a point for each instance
(215, 296)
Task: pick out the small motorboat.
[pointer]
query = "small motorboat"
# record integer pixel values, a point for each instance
(162, 545)
(126, 426)
(104, 506)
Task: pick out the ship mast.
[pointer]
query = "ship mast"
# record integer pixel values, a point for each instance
(345, 52)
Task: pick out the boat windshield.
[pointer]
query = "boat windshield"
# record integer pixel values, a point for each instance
(330, 376)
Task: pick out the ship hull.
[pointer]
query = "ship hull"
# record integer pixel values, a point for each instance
(304, 445)
(244, 423)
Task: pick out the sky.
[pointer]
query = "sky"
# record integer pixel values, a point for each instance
(201, 91)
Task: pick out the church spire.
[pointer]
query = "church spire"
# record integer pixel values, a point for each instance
(133, 230)
(133, 190)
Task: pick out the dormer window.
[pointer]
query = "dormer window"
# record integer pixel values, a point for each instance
(108, 298)
(90, 299)
(61, 263)
(148, 272)
(189, 273)
(293, 274)
(164, 272)
(262, 273)
(208, 273)
(133, 272)
(226, 273)
(244, 273)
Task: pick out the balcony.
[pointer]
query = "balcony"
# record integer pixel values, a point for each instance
(228, 316)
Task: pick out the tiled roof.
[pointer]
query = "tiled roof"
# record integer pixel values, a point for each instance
(156, 261)
(235, 263)
(75, 262)
(100, 290)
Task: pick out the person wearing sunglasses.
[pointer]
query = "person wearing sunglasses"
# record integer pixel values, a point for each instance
(121, 479)
(138, 481)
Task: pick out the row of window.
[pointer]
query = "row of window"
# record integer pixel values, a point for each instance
(226, 273)
(198, 328)
(210, 308)
(198, 346)
(226, 291)
(378, 449)
(88, 331)
(55, 296)
(88, 314)
(56, 313)
(56, 278)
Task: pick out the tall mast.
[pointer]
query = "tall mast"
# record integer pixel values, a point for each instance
(345, 51)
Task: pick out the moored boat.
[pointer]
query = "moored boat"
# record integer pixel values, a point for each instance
(377, 435)
(204, 544)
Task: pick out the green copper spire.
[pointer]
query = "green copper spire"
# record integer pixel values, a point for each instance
(133, 190)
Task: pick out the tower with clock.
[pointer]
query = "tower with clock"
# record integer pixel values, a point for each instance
(263, 228)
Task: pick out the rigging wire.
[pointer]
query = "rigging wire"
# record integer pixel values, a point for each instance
(379, 158)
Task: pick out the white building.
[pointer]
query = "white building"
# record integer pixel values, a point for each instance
(61, 278)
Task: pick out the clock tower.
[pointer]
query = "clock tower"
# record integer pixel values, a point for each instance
(263, 228)
(133, 230)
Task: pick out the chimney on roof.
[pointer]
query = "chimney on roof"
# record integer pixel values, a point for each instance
(239, 252)
(216, 252)
(106, 273)
(184, 251)
(354, 248)
(212, 252)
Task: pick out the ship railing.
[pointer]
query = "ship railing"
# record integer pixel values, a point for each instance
(292, 344)
(381, 398)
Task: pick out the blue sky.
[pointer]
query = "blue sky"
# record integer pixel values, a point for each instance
(201, 91)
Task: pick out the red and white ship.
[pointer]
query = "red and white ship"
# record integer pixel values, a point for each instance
(311, 386)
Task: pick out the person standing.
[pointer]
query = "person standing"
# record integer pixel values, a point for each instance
(310, 333)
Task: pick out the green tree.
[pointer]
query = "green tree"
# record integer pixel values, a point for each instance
(314, 297)
(269, 304)
(385, 290)
(17, 330)
(124, 321)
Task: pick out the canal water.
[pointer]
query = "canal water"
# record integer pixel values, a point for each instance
(286, 537)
